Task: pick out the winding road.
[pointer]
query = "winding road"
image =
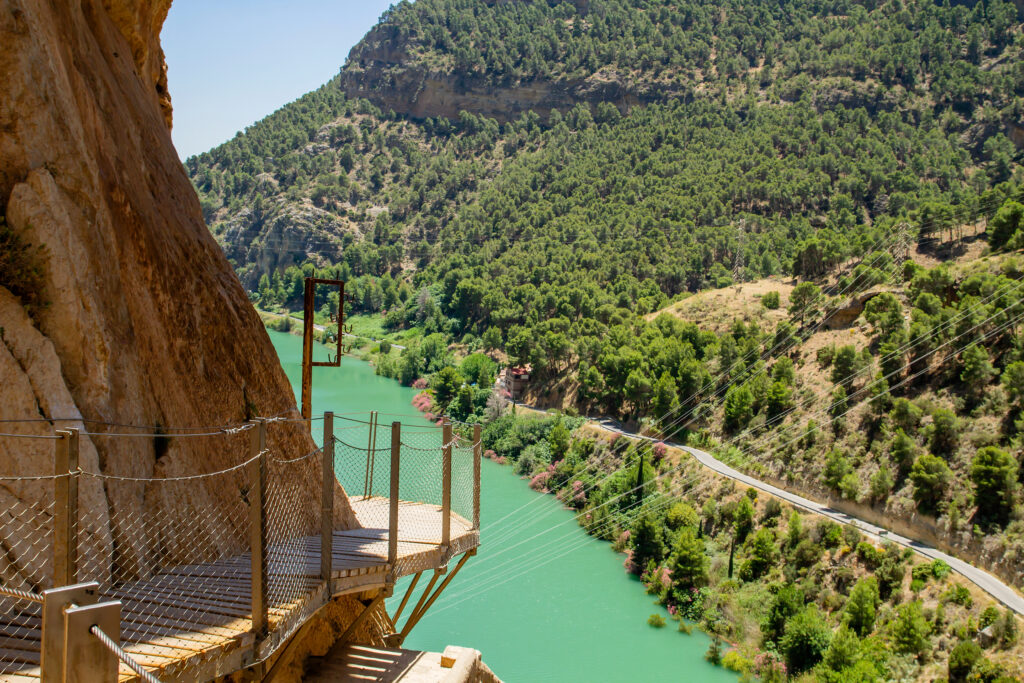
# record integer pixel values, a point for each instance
(1001, 592)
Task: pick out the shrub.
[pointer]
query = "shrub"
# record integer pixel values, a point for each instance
(962, 659)
(862, 606)
(806, 639)
(806, 554)
(656, 620)
(910, 629)
(772, 510)
(869, 554)
(959, 595)
(1007, 221)
(714, 653)
(1006, 629)
(940, 569)
(734, 661)
(890, 572)
(786, 602)
(931, 475)
(988, 617)
(829, 533)
(993, 472)
(945, 432)
(842, 652)
(681, 515)
(770, 300)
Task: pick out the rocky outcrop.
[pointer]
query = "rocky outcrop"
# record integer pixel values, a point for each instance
(380, 69)
(145, 322)
(844, 316)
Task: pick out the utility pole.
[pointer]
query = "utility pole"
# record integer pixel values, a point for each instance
(901, 248)
(308, 308)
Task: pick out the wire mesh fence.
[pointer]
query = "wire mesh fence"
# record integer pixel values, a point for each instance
(462, 481)
(178, 552)
(26, 535)
(177, 563)
(293, 548)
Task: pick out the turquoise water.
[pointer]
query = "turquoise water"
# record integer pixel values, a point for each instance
(542, 600)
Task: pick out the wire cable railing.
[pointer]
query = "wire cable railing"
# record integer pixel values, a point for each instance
(196, 561)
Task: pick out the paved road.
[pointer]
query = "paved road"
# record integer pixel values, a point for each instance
(988, 583)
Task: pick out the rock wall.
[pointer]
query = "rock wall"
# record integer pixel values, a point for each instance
(145, 324)
(380, 69)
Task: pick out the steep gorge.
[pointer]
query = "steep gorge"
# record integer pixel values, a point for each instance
(143, 321)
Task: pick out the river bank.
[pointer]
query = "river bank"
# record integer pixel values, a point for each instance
(752, 561)
(541, 591)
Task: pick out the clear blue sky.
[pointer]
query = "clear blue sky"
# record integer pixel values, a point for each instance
(232, 62)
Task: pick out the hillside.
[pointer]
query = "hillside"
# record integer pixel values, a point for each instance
(794, 120)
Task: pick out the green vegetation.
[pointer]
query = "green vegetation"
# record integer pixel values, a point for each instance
(811, 600)
(853, 146)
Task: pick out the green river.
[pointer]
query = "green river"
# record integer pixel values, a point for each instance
(542, 601)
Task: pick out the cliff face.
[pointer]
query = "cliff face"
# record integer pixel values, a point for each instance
(380, 69)
(145, 323)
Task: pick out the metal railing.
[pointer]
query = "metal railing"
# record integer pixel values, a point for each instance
(246, 550)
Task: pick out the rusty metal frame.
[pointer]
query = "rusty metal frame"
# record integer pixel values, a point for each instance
(308, 308)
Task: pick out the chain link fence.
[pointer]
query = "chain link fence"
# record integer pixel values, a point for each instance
(182, 555)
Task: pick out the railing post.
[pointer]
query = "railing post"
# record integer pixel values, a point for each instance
(55, 600)
(396, 452)
(86, 658)
(327, 500)
(446, 483)
(65, 511)
(477, 457)
(371, 443)
(258, 527)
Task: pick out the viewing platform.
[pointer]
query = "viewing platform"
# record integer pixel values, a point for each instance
(240, 583)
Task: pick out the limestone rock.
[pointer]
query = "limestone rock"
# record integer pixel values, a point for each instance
(146, 323)
(380, 69)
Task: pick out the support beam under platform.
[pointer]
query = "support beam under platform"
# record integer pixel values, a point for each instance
(346, 662)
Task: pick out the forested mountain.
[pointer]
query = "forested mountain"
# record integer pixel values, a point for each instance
(781, 120)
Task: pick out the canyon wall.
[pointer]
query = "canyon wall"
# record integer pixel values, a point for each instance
(380, 69)
(139, 318)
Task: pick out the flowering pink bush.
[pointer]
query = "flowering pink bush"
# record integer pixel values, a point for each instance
(768, 662)
(672, 609)
(658, 452)
(501, 460)
(420, 383)
(429, 416)
(490, 455)
(540, 480)
(629, 565)
(422, 402)
(579, 496)
(665, 577)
